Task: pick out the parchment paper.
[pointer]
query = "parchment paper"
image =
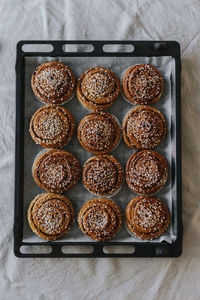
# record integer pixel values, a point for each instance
(79, 195)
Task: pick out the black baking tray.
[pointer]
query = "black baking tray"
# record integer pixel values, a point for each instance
(141, 49)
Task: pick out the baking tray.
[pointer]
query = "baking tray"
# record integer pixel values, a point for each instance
(140, 49)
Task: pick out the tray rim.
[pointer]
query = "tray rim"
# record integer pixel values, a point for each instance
(141, 48)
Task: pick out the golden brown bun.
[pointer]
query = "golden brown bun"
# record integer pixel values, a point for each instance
(99, 132)
(102, 175)
(144, 127)
(52, 126)
(53, 82)
(56, 171)
(146, 172)
(146, 217)
(98, 88)
(100, 219)
(50, 216)
(143, 84)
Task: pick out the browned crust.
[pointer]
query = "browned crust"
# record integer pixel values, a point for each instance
(85, 139)
(61, 96)
(135, 217)
(67, 120)
(98, 102)
(100, 207)
(129, 92)
(159, 128)
(146, 172)
(60, 204)
(67, 161)
(103, 188)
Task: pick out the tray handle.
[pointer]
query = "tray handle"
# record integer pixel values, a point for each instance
(104, 48)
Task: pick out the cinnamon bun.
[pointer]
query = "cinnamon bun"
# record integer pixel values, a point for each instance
(99, 132)
(56, 171)
(102, 175)
(98, 88)
(52, 126)
(146, 172)
(53, 83)
(144, 127)
(100, 219)
(146, 217)
(50, 216)
(143, 84)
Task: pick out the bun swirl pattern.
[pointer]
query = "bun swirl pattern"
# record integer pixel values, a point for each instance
(146, 217)
(99, 132)
(143, 127)
(102, 175)
(146, 172)
(56, 171)
(143, 84)
(100, 219)
(52, 126)
(50, 216)
(98, 88)
(53, 83)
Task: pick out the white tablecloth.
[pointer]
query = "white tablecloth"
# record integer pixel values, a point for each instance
(75, 278)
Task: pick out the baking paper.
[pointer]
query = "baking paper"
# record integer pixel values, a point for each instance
(78, 194)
